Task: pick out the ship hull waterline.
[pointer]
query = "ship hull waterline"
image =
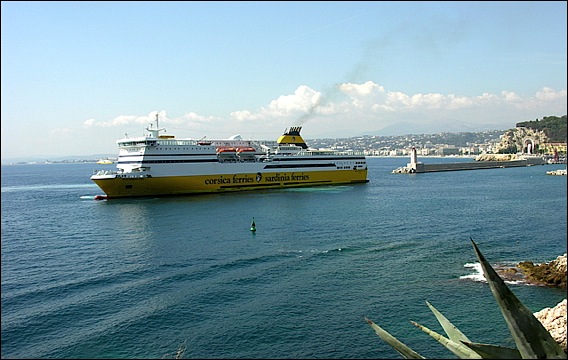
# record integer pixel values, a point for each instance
(125, 187)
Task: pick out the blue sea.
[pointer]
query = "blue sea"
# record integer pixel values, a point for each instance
(148, 278)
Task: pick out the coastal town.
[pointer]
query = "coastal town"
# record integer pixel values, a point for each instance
(468, 144)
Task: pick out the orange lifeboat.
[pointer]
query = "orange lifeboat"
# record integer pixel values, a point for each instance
(226, 149)
(241, 149)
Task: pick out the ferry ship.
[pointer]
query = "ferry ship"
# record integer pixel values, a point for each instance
(160, 165)
(105, 162)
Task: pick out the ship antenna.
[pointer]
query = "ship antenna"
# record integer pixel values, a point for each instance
(157, 124)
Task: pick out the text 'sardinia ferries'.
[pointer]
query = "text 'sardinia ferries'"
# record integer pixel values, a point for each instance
(159, 165)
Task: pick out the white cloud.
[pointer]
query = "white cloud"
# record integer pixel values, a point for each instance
(365, 89)
(89, 123)
(510, 96)
(348, 109)
(547, 94)
(125, 120)
(191, 116)
(60, 132)
(459, 102)
(302, 101)
(356, 108)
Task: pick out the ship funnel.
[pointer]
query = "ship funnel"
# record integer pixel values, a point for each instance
(292, 136)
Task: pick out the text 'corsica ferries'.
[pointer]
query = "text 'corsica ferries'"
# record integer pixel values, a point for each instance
(159, 165)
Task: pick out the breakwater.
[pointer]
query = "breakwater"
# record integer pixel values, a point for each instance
(417, 167)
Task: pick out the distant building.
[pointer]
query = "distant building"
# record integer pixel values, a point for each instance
(472, 150)
(396, 152)
(444, 151)
(548, 148)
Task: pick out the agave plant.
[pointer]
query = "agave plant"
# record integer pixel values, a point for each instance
(531, 338)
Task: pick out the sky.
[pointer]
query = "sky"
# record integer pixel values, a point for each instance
(77, 76)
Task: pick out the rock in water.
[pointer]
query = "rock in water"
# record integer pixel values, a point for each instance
(554, 320)
(551, 274)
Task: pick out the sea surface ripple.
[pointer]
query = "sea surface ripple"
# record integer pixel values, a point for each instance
(140, 278)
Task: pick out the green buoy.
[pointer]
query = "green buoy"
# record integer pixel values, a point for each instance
(253, 226)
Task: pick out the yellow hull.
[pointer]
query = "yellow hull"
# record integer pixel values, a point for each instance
(118, 187)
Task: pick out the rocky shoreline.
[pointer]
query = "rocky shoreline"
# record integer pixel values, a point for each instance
(546, 274)
(554, 320)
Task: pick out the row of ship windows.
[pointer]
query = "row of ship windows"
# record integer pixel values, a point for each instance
(169, 149)
(184, 148)
(149, 143)
(351, 162)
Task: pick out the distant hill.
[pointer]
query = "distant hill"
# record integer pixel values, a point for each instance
(553, 126)
(70, 158)
(406, 128)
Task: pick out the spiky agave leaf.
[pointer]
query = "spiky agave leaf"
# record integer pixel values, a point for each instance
(487, 351)
(401, 348)
(459, 349)
(531, 338)
(451, 330)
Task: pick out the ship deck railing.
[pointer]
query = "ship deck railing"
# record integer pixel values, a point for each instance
(106, 172)
(331, 153)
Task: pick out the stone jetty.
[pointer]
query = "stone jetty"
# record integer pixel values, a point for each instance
(559, 172)
(485, 161)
